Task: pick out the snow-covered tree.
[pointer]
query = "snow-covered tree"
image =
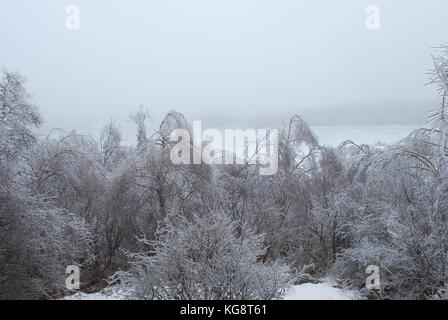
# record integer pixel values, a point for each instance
(139, 118)
(37, 239)
(439, 78)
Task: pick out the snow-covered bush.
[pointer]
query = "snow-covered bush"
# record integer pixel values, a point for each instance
(204, 259)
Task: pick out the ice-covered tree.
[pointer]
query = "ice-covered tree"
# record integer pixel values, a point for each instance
(37, 239)
(439, 78)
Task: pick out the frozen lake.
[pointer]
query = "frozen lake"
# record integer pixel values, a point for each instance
(333, 136)
(328, 135)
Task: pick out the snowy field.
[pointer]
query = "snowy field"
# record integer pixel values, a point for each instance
(106, 294)
(306, 291)
(318, 291)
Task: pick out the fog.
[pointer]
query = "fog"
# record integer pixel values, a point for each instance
(224, 61)
(332, 184)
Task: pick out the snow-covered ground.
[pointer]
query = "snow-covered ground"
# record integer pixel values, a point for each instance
(306, 291)
(111, 293)
(318, 291)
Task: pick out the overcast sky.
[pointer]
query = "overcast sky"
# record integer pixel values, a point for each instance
(209, 57)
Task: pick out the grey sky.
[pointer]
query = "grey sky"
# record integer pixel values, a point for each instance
(208, 58)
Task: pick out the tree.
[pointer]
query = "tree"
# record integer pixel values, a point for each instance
(110, 145)
(37, 239)
(139, 118)
(439, 78)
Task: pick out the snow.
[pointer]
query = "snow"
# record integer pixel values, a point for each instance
(318, 291)
(306, 291)
(111, 293)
